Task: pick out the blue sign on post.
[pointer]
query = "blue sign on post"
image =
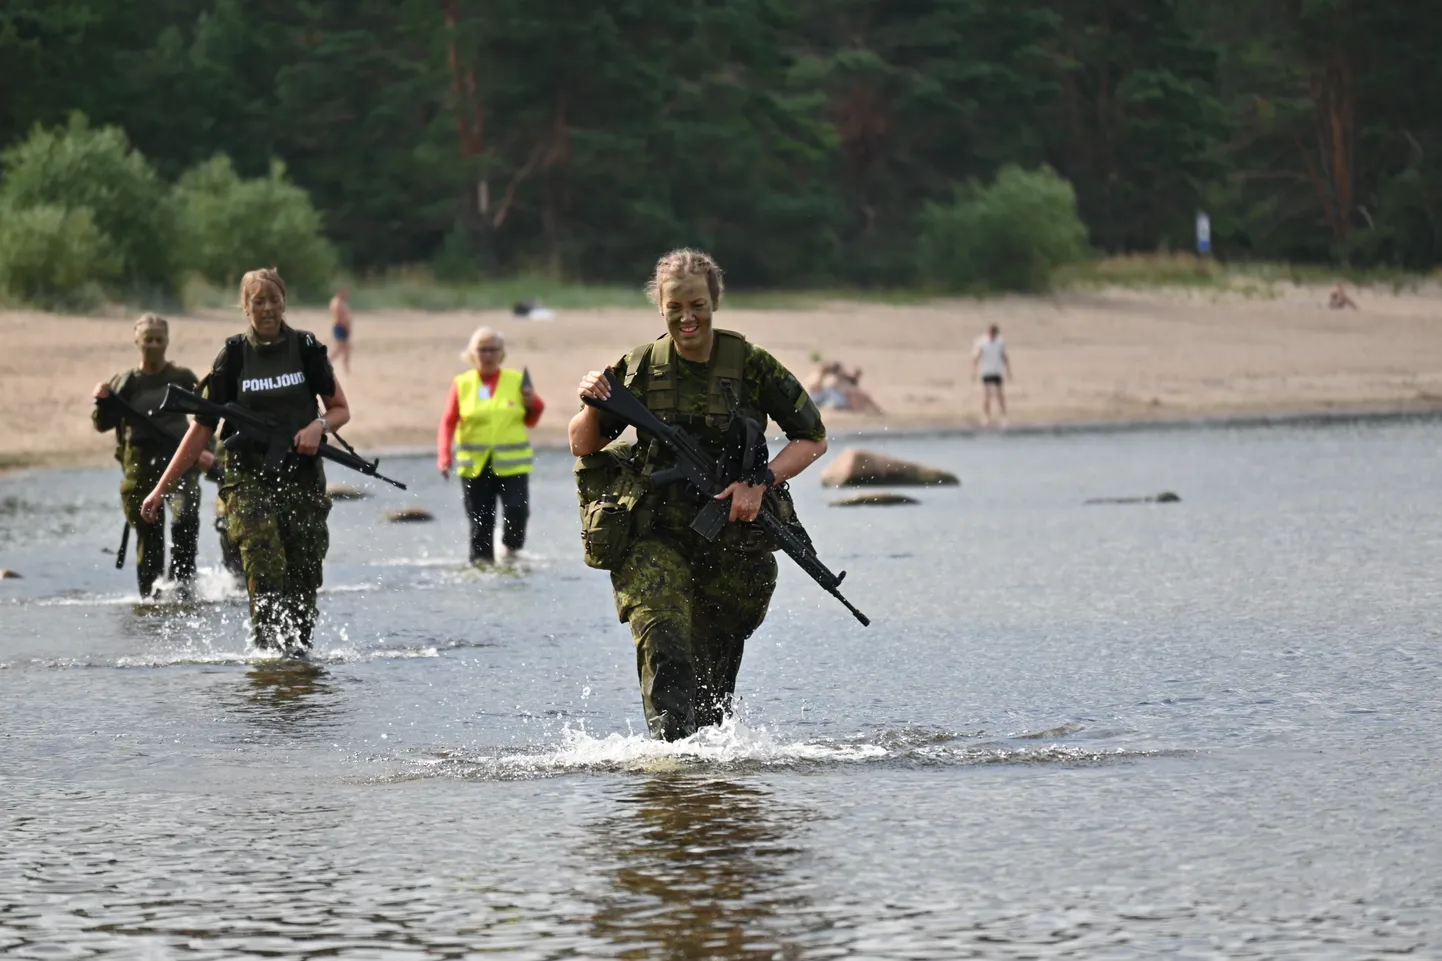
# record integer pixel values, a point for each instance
(1204, 233)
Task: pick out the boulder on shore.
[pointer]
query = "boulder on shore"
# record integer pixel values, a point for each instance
(345, 492)
(1165, 497)
(862, 468)
(408, 515)
(877, 499)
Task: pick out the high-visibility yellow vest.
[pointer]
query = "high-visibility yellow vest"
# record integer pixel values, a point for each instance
(492, 427)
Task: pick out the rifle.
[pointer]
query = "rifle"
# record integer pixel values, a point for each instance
(276, 438)
(128, 411)
(124, 543)
(700, 470)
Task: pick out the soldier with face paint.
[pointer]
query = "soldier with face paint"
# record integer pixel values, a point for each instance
(692, 604)
(144, 457)
(276, 517)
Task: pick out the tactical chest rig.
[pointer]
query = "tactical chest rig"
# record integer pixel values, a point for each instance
(662, 389)
(619, 501)
(655, 367)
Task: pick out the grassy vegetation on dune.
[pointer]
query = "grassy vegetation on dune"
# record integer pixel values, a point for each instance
(418, 289)
(1159, 270)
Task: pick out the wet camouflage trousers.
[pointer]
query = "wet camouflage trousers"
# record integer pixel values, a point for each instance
(142, 473)
(281, 533)
(691, 606)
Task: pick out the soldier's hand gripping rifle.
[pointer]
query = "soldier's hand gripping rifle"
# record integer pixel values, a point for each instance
(699, 469)
(277, 440)
(163, 437)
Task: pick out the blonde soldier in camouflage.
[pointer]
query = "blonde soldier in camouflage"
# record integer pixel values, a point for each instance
(276, 517)
(144, 458)
(691, 604)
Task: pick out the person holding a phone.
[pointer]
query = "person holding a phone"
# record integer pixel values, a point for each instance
(483, 436)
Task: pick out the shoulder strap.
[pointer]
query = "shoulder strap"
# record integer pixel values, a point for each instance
(234, 360)
(728, 369)
(636, 361)
(312, 354)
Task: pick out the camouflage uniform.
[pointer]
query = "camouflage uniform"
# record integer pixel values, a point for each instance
(144, 460)
(692, 604)
(279, 528)
(276, 518)
(229, 553)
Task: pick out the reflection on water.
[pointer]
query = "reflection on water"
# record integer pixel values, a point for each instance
(289, 696)
(703, 868)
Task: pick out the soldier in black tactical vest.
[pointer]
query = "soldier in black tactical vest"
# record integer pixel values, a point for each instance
(691, 604)
(144, 455)
(276, 516)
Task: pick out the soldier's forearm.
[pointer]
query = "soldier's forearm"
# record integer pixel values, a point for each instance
(795, 457)
(194, 441)
(584, 432)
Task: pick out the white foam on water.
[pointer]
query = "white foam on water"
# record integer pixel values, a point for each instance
(352, 655)
(183, 657)
(733, 743)
(349, 588)
(90, 600)
(212, 585)
(729, 743)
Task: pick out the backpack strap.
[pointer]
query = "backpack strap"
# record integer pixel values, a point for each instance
(234, 360)
(662, 396)
(728, 370)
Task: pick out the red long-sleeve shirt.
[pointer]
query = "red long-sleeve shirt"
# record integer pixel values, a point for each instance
(447, 432)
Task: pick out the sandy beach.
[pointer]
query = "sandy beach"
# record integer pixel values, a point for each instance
(1108, 355)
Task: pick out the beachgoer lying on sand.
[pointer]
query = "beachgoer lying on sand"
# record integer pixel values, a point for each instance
(831, 385)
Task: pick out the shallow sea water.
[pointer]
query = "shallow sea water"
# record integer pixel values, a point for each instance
(1210, 729)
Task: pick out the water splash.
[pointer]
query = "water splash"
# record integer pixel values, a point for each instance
(737, 746)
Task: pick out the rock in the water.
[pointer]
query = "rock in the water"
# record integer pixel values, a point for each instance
(877, 500)
(1165, 497)
(6, 574)
(408, 515)
(861, 468)
(345, 492)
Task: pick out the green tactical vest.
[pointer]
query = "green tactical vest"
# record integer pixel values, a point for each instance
(145, 392)
(651, 374)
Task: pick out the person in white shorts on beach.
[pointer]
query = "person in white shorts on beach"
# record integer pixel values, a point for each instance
(991, 365)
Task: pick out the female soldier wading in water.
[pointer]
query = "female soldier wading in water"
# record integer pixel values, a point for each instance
(691, 603)
(277, 517)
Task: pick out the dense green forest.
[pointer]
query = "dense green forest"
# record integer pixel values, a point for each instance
(803, 141)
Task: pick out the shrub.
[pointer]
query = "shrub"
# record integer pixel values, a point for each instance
(457, 260)
(229, 225)
(79, 167)
(55, 258)
(1010, 235)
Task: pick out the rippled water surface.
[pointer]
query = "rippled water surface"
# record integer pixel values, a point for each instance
(1208, 729)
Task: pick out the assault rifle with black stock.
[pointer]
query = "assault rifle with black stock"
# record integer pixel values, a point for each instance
(703, 472)
(164, 438)
(248, 427)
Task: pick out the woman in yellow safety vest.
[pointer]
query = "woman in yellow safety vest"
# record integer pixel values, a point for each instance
(483, 433)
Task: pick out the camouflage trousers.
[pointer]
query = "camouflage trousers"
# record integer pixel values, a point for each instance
(141, 475)
(280, 531)
(691, 606)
